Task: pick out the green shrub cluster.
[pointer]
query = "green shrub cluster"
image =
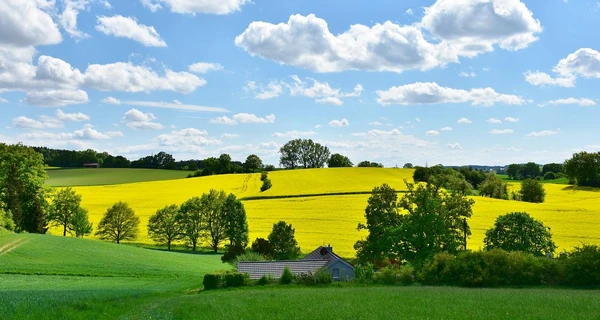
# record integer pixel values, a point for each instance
(264, 177)
(311, 279)
(265, 280)
(394, 275)
(6, 221)
(228, 279)
(287, 277)
(364, 272)
(549, 176)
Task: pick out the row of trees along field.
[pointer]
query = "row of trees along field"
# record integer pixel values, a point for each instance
(305, 153)
(427, 221)
(531, 170)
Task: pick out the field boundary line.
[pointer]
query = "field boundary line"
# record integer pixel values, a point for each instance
(309, 195)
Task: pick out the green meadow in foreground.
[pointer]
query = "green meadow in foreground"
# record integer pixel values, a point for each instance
(106, 176)
(50, 277)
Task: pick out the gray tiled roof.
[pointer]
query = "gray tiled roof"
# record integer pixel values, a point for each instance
(275, 268)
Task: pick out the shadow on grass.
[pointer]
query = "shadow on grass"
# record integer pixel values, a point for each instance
(176, 249)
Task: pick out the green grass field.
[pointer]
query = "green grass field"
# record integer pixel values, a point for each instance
(106, 176)
(50, 277)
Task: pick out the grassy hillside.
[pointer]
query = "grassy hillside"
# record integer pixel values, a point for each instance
(41, 276)
(106, 176)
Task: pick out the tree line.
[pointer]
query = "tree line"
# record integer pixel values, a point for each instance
(305, 153)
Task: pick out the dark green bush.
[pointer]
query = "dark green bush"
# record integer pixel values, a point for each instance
(212, 281)
(392, 275)
(264, 175)
(266, 185)
(286, 277)
(364, 273)
(407, 274)
(549, 176)
(232, 252)
(581, 267)
(438, 270)
(265, 280)
(235, 279)
(269, 167)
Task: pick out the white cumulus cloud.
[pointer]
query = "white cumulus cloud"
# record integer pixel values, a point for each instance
(243, 118)
(584, 102)
(339, 123)
(464, 121)
(204, 67)
(128, 27)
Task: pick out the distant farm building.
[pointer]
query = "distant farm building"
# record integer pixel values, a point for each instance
(91, 165)
(322, 259)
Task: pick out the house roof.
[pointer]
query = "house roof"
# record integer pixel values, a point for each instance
(326, 253)
(257, 269)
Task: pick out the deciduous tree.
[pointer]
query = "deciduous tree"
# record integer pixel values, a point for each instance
(337, 160)
(283, 241)
(65, 204)
(119, 223)
(236, 224)
(584, 169)
(211, 205)
(80, 224)
(22, 190)
(253, 162)
(192, 221)
(164, 226)
(518, 231)
(532, 191)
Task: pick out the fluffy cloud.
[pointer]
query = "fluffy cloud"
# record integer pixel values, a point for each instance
(467, 74)
(128, 27)
(25, 23)
(49, 122)
(585, 62)
(293, 134)
(542, 79)
(511, 119)
(454, 146)
(463, 28)
(322, 92)
(111, 100)
(432, 93)
(87, 133)
(582, 102)
(136, 119)
(197, 6)
(55, 98)
(204, 67)
(339, 123)
(186, 137)
(543, 133)
(446, 129)
(230, 135)
(243, 118)
(60, 115)
(494, 120)
(501, 131)
(68, 18)
(125, 76)
(432, 133)
(464, 121)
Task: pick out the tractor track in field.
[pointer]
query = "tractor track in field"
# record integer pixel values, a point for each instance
(310, 195)
(245, 184)
(12, 246)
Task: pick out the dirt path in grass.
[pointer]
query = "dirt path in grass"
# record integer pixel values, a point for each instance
(12, 246)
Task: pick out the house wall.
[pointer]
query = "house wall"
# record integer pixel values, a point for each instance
(346, 272)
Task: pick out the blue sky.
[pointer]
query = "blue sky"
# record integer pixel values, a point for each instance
(453, 82)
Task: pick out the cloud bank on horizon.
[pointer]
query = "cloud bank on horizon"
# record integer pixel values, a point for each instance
(439, 81)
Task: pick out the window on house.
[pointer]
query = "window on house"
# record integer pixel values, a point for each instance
(336, 273)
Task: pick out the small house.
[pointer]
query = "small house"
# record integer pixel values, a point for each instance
(91, 165)
(321, 259)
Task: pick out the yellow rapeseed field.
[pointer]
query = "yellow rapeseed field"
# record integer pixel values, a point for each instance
(572, 214)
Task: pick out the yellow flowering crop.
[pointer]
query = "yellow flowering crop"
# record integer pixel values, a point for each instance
(572, 214)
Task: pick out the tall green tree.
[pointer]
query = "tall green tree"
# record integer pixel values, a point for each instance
(80, 223)
(518, 231)
(211, 205)
(303, 153)
(552, 167)
(283, 242)
(493, 187)
(65, 204)
(22, 190)
(432, 222)
(337, 161)
(253, 162)
(530, 170)
(164, 226)
(532, 190)
(236, 224)
(119, 223)
(192, 221)
(584, 169)
(514, 171)
(381, 215)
